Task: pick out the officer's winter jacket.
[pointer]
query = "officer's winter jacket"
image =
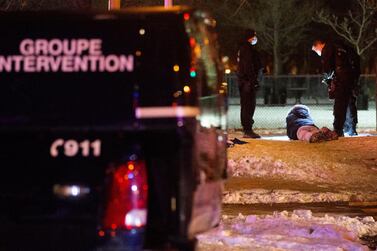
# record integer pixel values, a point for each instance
(342, 60)
(249, 63)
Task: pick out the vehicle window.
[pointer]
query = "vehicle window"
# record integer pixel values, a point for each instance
(209, 65)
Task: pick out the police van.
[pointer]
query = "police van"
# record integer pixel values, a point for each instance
(112, 129)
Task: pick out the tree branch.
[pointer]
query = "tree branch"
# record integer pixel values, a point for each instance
(354, 28)
(242, 3)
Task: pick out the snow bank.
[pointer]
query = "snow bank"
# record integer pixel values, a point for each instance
(266, 167)
(308, 170)
(299, 230)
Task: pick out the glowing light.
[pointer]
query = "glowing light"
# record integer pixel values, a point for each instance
(225, 59)
(224, 84)
(138, 53)
(192, 42)
(177, 94)
(187, 89)
(176, 68)
(70, 190)
(186, 16)
(75, 190)
(198, 51)
(192, 73)
(134, 188)
(135, 218)
(101, 233)
(210, 21)
(173, 204)
(142, 32)
(227, 71)
(113, 226)
(131, 167)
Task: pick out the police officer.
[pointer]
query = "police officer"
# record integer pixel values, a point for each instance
(341, 66)
(249, 72)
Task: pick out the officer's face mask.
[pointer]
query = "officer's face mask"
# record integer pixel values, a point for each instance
(254, 41)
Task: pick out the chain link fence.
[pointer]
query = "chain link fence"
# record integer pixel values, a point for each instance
(277, 95)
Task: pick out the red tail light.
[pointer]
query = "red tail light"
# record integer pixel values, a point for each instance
(127, 199)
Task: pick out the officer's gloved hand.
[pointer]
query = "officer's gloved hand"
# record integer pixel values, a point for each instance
(326, 81)
(327, 78)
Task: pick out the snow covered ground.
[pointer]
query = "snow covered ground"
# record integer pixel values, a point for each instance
(299, 230)
(339, 170)
(281, 171)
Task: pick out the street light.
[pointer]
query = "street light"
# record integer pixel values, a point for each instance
(168, 3)
(113, 5)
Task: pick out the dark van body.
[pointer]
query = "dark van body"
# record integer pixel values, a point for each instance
(105, 115)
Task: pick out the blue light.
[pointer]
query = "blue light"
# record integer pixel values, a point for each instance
(135, 94)
(131, 176)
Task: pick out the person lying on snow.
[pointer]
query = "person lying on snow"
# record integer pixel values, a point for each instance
(300, 126)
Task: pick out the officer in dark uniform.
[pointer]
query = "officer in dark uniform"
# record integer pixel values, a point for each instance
(341, 67)
(249, 72)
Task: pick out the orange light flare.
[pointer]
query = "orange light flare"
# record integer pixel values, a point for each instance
(186, 89)
(131, 167)
(176, 68)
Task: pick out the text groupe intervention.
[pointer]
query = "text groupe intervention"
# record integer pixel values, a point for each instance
(64, 55)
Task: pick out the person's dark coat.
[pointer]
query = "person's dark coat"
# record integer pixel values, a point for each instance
(298, 116)
(249, 63)
(344, 88)
(343, 61)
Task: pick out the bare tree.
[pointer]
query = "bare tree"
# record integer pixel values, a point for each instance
(280, 24)
(283, 29)
(13, 4)
(126, 3)
(8, 5)
(358, 26)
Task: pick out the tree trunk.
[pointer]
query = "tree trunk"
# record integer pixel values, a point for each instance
(276, 70)
(276, 56)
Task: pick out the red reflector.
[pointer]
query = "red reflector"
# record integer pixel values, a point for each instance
(186, 16)
(126, 206)
(101, 233)
(192, 42)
